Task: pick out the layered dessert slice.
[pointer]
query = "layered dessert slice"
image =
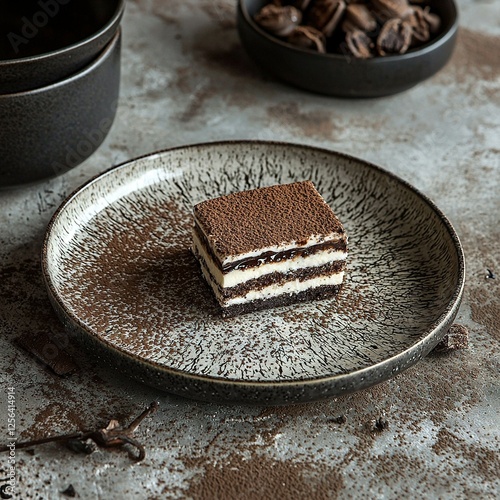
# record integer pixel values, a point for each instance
(269, 247)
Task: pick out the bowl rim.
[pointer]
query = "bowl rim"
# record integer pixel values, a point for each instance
(104, 54)
(114, 20)
(442, 39)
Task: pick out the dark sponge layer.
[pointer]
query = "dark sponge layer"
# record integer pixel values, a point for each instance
(321, 292)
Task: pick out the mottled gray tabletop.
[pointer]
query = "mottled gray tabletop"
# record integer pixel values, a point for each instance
(431, 432)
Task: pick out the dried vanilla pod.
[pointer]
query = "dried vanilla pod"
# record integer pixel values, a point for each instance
(111, 436)
(394, 38)
(359, 44)
(307, 37)
(280, 21)
(325, 15)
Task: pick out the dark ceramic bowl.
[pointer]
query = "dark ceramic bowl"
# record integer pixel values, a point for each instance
(343, 76)
(47, 131)
(49, 40)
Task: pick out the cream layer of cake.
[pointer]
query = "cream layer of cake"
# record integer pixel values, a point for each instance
(291, 287)
(238, 276)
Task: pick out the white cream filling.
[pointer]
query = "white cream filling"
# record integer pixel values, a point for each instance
(275, 290)
(313, 240)
(293, 287)
(239, 276)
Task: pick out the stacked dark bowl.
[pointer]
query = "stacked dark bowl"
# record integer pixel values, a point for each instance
(59, 84)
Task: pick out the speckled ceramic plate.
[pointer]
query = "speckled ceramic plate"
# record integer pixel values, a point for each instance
(118, 269)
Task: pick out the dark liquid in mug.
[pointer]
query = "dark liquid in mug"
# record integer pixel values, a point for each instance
(34, 27)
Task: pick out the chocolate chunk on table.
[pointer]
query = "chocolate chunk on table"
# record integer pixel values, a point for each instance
(456, 338)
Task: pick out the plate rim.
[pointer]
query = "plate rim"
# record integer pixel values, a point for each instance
(415, 352)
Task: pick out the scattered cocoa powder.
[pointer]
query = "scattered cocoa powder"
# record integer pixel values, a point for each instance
(260, 478)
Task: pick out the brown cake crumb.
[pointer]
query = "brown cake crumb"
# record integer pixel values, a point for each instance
(341, 419)
(44, 347)
(378, 424)
(69, 491)
(456, 338)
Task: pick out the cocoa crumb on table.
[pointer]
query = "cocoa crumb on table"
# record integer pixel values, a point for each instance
(456, 338)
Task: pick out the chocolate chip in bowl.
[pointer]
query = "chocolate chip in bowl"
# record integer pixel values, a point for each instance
(349, 48)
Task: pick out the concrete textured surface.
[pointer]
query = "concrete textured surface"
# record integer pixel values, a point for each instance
(186, 79)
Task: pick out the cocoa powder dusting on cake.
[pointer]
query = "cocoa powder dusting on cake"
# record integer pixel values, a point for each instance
(241, 222)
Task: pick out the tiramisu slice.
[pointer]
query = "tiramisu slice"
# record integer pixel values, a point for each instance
(269, 247)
